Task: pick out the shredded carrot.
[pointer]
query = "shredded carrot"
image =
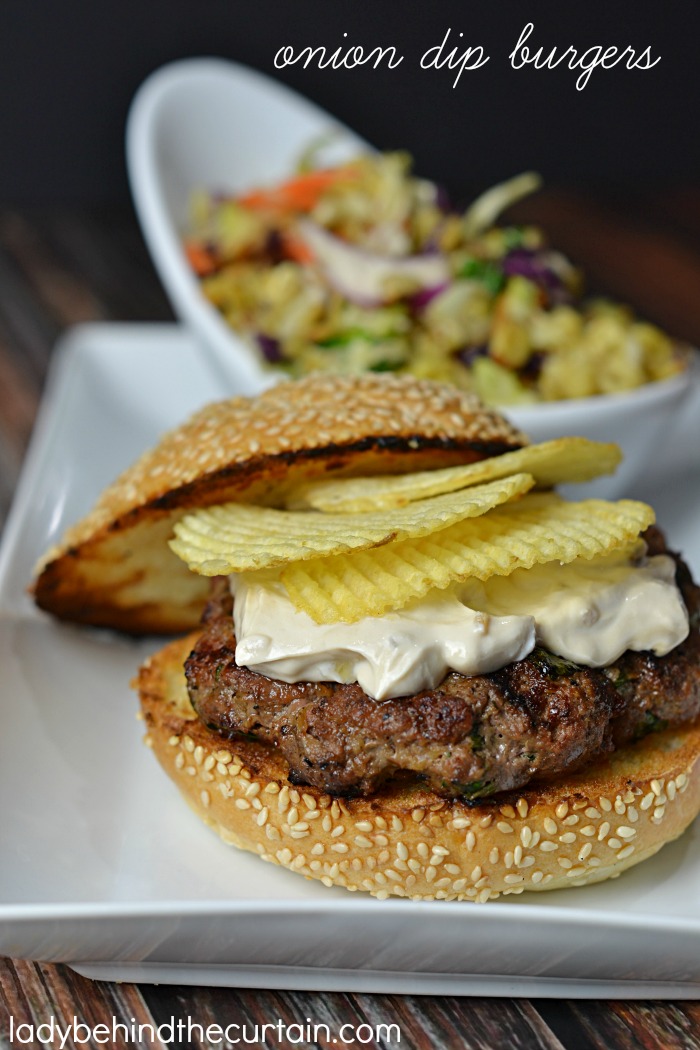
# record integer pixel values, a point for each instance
(200, 258)
(296, 249)
(298, 194)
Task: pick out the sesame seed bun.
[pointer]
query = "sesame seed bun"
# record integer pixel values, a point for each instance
(114, 568)
(405, 841)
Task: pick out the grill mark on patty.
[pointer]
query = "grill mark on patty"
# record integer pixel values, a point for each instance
(468, 736)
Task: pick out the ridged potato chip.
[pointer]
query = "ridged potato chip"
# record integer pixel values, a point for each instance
(238, 537)
(567, 459)
(538, 528)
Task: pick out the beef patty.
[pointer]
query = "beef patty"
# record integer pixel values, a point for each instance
(470, 736)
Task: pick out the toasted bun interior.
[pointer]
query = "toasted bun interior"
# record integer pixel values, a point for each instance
(114, 568)
(408, 842)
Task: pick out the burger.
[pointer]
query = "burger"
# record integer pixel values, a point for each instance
(410, 668)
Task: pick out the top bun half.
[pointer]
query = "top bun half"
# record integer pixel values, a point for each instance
(114, 567)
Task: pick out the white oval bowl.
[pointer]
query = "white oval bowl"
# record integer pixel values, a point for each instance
(217, 125)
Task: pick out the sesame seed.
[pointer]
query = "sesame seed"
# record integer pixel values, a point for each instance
(327, 823)
(417, 815)
(188, 743)
(603, 830)
(198, 754)
(223, 756)
(626, 851)
(549, 826)
(204, 796)
(509, 859)
(518, 854)
(284, 856)
(396, 824)
(317, 849)
(625, 832)
(191, 771)
(476, 873)
(340, 847)
(632, 814)
(470, 841)
(561, 810)
(605, 804)
(362, 841)
(298, 833)
(381, 840)
(174, 741)
(571, 821)
(513, 880)
(485, 821)
(647, 801)
(283, 800)
(536, 877)
(452, 869)
(547, 846)
(522, 807)
(440, 851)
(494, 855)
(337, 831)
(208, 763)
(565, 863)
(422, 850)
(614, 843)
(252, 790)
(656, 786)
(221, 769)
(504, 827)
(671, 790)
(292, 816)
(593, 813)
(585, 851)
(401, 851)
(658, 814)
(576, 872)
(179, 760)
(620, 806)
(295, 796)
(508, 811)
(681, 781)
(272, 833)
(460, 822)
(312, 814)
(526, 836)
(588, 831)
(364, 825)
(262, 817)
(242, 803)
(567, 837)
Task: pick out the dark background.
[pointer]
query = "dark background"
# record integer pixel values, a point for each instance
(68, 69)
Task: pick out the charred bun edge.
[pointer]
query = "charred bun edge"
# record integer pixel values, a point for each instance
(406, 841)
(114, 569)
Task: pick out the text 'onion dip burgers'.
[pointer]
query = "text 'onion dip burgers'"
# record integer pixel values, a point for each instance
(420, 672)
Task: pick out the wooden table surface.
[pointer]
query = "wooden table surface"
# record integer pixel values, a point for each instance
(61, 268)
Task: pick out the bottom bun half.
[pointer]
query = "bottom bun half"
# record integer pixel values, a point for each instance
(407, 841)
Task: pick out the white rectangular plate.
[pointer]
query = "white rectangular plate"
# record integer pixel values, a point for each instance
(102, 866)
